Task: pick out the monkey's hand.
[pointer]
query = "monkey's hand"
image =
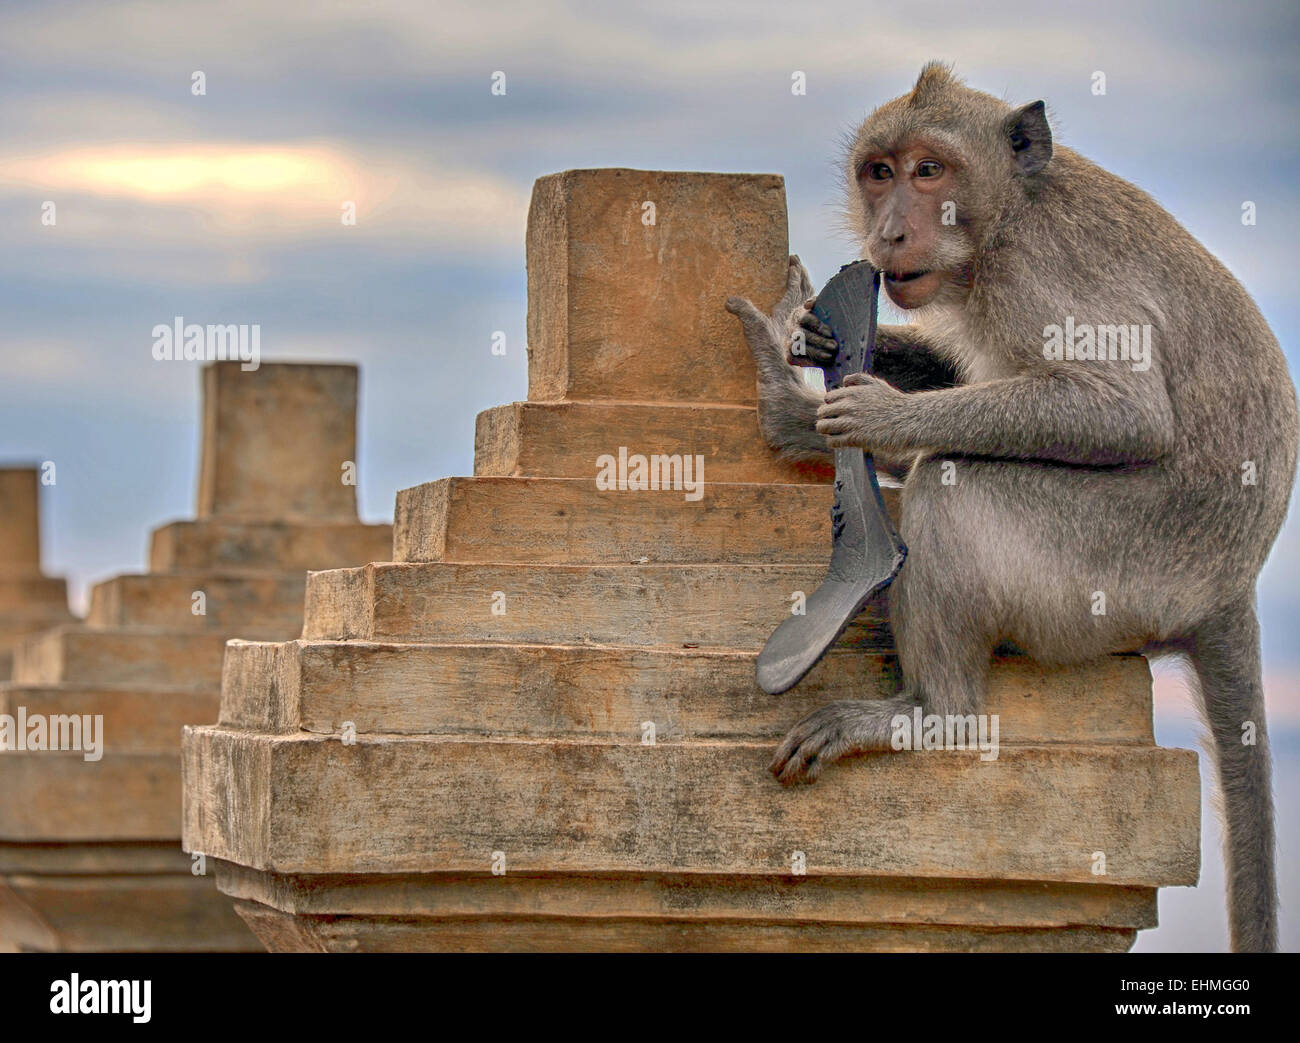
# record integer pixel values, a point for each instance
(864, 413)
(829, 733)
(787, 407)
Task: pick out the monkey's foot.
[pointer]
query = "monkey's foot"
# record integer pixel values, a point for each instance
(834, 731)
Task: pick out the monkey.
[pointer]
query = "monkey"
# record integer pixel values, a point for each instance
(1156, 480)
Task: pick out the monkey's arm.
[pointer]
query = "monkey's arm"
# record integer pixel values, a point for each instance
(1076, 418)
(903, 359)
(787, 407)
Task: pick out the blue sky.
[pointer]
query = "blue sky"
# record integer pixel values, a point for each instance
(389, 104)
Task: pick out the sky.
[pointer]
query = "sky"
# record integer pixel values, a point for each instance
(224, 207)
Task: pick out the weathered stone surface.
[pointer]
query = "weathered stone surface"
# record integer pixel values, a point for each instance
(32, 597)
(556, 520)
(283, 933)
(132, 899)
(619, 308)
(691, 897)
(29, 601)
(310, 804)
(230, 602)
(564, 440)
(60, 796)
(271, 546)
(709, 606)
(276, 440)
(20, 526)
(79, 839)
(536, 691)
(137, 719)
(539, 729)
(82, 655)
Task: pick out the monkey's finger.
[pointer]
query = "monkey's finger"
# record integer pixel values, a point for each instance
(840, 433)
(815, 327)
(847, 441)
(807, 360)
(810, 356)
(805, 280)
(819, 349)
(756, 326)
(823, 347)
(797, 285)
(789, 745)
(836, 403)
(833, 424)
(797, 766)
(744, 310)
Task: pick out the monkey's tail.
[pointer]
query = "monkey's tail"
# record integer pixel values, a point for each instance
(1224, 651)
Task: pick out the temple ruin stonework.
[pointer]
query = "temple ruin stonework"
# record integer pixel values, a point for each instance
(29, 600)
(90, 856)
(537, 727)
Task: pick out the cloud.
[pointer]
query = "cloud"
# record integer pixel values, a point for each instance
(229, 197)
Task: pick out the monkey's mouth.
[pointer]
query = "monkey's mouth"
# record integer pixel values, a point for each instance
(901, 277)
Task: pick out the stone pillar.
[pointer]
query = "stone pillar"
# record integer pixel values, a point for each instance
(29, 600)
(538, 728)
(90, 858)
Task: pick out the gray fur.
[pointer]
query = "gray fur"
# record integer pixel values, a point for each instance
(1072, 476)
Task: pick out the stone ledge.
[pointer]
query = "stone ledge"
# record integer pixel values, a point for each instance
(310, 804)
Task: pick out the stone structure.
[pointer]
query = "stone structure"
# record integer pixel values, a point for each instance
(90, 857)
(29, 600)
(538, 727)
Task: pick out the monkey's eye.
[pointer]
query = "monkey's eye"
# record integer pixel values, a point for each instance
(877, 172)
(929, 168)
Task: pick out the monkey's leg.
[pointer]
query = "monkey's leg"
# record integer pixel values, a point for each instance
(787, 407)
(943, 631)
(1225, 654)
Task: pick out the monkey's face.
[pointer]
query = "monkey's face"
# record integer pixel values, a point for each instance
(911, 232)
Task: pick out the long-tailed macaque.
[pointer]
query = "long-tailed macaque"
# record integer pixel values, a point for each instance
(1120, 419)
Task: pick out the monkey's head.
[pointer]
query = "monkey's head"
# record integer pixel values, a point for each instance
(930, 175)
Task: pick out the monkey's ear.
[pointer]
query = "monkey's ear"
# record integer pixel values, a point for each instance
(1031, 138)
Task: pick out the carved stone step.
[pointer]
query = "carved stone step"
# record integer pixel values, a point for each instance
(709, 606)
(83, 655)
(565, 520)
(565, 439)
(137, 719)
(129, 792)
(239, 602)
(310, 804)
(683, 898)
(281, 932)
(539, 691)
(122, 897)
(61, 796)
(274, 547)
(275, 498)
(27, 595)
